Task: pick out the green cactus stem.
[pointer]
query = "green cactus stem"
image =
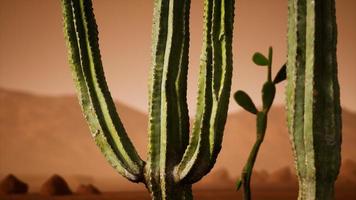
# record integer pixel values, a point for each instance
(312, 95)
(242, 98)
(175, 159)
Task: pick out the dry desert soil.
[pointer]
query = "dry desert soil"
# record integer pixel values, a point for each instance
(262, 194)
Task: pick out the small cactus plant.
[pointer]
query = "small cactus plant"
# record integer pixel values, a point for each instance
(312, 96)
(244, 100)
(175, 161)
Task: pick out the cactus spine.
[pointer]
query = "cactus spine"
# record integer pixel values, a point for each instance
(175, 161)
(313, 100)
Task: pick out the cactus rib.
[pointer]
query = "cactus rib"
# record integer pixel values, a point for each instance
(313, 104)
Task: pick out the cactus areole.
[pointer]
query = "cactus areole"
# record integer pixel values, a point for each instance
(313, 99)
(176, 159)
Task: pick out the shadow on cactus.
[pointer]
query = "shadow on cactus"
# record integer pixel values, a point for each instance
(244, 100)
(175, 159)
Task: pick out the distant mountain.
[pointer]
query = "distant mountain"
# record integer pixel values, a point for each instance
(43, 135)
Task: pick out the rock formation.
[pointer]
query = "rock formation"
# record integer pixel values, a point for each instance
(12, 185)
(54, 186)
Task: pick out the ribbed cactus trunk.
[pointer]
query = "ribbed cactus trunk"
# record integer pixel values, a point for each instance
(176, 159)
(313, 100)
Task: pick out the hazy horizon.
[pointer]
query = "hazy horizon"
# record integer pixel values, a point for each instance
(60, 143)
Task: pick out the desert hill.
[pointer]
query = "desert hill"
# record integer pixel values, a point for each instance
(43, 135)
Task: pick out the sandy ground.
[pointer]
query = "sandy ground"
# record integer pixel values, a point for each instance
(262, 194)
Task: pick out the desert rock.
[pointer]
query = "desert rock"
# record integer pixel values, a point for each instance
(55, 185)
(12, 185)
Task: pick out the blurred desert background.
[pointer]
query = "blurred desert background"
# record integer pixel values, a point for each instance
(43, 133)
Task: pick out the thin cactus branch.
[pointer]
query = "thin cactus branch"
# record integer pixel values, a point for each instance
(242, 98)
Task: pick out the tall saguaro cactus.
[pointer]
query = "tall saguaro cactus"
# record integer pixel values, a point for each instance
(175, 160)
(313, 102)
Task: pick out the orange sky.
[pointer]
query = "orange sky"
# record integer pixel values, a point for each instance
(33, 54)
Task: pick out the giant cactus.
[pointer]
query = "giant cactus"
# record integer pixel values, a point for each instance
(175, 160)
(313, 103)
